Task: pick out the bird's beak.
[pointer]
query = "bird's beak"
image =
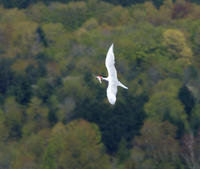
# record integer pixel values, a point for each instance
(99, 79)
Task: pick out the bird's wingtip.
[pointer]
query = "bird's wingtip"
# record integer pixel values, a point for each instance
(111, 46)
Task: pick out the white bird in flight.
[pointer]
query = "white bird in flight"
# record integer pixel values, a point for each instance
(112, 79)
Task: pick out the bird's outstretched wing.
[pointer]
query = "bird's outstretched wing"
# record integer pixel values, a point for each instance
(111, 92)
(110, 63)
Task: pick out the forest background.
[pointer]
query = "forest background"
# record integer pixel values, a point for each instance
(55, 115)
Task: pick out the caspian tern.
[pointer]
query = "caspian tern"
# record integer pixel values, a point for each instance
(112, 79)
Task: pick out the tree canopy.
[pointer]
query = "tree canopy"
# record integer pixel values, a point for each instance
(55, 115)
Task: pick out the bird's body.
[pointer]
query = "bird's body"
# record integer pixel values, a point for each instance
(112, 79)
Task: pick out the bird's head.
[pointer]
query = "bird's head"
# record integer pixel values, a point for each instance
(99, 78)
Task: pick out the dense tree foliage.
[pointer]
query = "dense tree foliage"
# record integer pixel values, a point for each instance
(26, 3)
(53, 112)
(156, 147)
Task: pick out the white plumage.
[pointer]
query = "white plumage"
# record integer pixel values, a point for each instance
(112, 79)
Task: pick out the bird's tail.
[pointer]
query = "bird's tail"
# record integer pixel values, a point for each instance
(121, 85)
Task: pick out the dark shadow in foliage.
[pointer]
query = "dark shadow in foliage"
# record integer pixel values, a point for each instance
(196, 1)
(6, 75)
(157, 3)
(44, 91)
(35, 71)
(26, 3)
(187, 99)
(180, 125)
(123, 120)
(41, 58)
(124, 2)
(123, 151)
(21, 89)
(15, 130)
(42, 36)
(17, 3)
(88, 79)
(52, 117)
(14, 84)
